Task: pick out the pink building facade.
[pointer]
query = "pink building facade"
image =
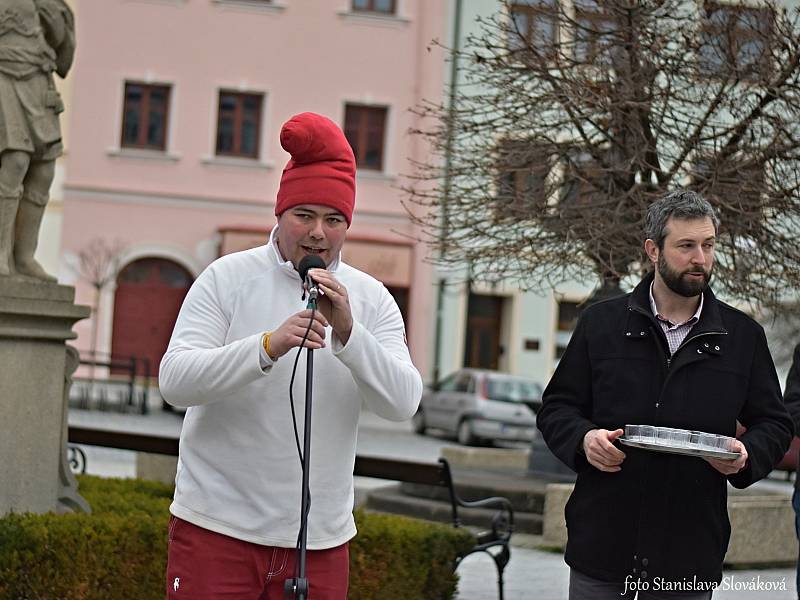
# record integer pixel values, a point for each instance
(174, 156)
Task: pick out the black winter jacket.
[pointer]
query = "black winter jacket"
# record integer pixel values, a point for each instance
(663, 516)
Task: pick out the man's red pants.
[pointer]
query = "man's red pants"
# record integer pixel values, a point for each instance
(204, 565)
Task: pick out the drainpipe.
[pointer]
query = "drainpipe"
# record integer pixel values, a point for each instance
(445, 217)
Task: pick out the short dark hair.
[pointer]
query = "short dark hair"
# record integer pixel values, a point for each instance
(680, 204)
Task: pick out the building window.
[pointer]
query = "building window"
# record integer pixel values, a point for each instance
(239, 124)
(365, 128)
(735, 187)
(584, 176)
(376, 6)
(522, 174)
(144, 116)
(594, 33)
(535, 23)
(734, 40)
(567, 320)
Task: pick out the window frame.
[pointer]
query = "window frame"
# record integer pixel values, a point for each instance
(360, 147)
(564, 329)
(527, 183)
(593, 42)
(240, 96)
(371, 8)
(737, 181)
(728, 34)
(144, 116)
(580, 170)
(537, 11)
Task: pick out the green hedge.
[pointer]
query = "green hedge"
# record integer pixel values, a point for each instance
(119, 551)
(397, 557)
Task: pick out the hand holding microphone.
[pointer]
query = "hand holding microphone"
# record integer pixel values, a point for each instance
(333, 307)
(310, 261)
(333, 301)
(290, 334)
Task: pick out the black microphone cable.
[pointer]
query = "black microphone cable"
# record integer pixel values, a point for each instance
(297, 437)
(291, 386)
(305, 264)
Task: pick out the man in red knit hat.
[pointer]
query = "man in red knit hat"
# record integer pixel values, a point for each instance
(236, 512)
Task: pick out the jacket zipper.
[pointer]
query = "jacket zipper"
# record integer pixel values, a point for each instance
(689, 339)
(686, 340)
(694, 337)
(683, 343)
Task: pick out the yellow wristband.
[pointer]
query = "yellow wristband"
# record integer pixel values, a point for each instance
(265, 343)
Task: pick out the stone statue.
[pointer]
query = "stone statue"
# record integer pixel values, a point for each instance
(37, 37)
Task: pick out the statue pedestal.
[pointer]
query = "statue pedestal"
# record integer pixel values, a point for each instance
(36, 368)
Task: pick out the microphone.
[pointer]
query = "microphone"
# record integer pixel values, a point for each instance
(310, 261)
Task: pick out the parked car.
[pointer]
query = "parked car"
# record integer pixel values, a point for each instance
(481, 406)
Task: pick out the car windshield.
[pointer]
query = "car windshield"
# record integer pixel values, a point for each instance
(514, 390)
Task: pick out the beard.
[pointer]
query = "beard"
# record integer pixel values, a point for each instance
(675, 281)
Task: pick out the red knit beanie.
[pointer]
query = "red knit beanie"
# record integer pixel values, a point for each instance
(322, 169)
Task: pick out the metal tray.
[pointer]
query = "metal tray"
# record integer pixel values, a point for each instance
(689, 451)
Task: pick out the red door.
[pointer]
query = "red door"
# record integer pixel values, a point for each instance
(146, 304)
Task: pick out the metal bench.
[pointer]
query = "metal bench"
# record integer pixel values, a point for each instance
(494, 540)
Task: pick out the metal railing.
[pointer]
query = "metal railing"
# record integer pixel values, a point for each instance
(366, 466)
(101, 393)
(123, 440)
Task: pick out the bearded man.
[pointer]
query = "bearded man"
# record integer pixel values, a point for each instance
(668, 354)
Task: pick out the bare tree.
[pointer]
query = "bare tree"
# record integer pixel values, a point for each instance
(572, 117)
(783, 334)
(98, 264)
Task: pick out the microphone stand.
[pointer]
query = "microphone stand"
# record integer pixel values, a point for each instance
(297, 588)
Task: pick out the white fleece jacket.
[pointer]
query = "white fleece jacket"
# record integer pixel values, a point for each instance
(239, 473)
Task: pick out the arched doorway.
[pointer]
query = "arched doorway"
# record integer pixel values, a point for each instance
(146, 304)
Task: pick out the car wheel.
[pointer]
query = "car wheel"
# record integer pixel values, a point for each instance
(464, 434)
(418, 422)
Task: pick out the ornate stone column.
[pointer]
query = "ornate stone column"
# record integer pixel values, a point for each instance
(36, 367)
